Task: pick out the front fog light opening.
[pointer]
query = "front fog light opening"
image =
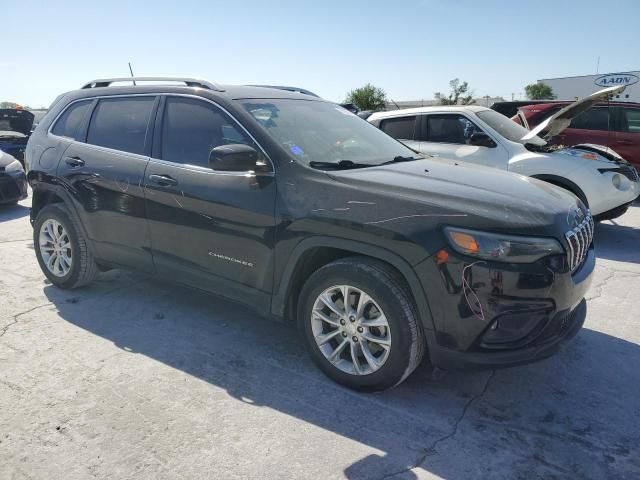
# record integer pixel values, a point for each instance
(511, 330)
(616, 180)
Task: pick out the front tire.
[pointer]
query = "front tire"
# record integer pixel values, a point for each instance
(61, 248)
(373, 340)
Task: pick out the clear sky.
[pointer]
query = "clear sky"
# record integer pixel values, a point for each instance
(410, 48)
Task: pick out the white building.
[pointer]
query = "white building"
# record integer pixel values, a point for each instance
(572, 88)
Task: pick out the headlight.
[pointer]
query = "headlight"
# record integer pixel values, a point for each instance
(501, 248)
(13, 167)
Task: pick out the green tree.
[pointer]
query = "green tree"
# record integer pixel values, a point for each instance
(539, 91)
(8, 105)
(367, 97)
(460, 94)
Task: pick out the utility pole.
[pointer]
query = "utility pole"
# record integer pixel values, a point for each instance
(598, 65)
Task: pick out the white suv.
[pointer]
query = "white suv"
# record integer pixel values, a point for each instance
(604, 181)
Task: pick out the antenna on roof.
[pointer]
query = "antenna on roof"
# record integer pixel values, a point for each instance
(131, 71)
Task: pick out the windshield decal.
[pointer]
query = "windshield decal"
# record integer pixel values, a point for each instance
(296, 150)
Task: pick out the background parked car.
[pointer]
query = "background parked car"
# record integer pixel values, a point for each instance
(602, 180)
(613, 124)
(15, 127)
(510, 109)
(13, 181)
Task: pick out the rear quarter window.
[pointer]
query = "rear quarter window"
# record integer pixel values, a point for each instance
(68, 124)
(400, 128)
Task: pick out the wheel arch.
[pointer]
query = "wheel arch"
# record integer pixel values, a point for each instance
(315, 252)
(42, 197)
(46, 194)
(565, 183)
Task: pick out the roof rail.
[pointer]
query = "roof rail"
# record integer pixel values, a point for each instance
(190, 82)
(288, 89)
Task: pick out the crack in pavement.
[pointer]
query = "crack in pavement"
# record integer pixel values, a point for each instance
(431, 450)
(17, 315)
(613, 272)
(18, 240)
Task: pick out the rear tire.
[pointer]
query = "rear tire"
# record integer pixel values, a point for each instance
(61, 248)
(379, 326)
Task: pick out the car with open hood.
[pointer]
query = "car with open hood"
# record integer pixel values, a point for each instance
(596, 175)
(613, 125)
(299, 209)
(15, 128)
(13, 181)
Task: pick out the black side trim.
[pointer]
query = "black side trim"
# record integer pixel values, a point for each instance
(68, 202)
(279, 299)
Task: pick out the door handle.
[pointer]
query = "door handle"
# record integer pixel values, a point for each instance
(74, 162)
(625, 142)
(163, 180)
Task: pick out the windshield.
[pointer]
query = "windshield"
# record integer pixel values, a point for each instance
(508, 128)
(320, 132)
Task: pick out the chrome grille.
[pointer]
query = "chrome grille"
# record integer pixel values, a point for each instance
(579, 240)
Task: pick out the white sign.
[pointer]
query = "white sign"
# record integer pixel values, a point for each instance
(614, 79)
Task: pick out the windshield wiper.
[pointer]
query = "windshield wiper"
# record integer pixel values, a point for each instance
(400, 158)
(341, 165)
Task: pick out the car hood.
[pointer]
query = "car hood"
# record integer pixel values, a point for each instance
(557, 122)
(16, 120)
(461, 193)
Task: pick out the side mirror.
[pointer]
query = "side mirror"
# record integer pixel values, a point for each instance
(481, 139)
(235, 157)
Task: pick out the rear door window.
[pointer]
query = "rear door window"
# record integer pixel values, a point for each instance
(121, 123)
(596, 118)
(631, 120)
(449, 128)
(192, 128)
(68, 125)
(400, 128)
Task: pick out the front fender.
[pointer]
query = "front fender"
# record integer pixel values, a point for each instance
(281, 295)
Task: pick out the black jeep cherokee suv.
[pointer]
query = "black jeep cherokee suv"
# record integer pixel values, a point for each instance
(296, 207)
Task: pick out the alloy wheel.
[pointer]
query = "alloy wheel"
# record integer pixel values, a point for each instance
(55, 247)
(351, 330)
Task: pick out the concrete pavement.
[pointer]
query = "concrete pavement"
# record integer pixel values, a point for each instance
(132, 377)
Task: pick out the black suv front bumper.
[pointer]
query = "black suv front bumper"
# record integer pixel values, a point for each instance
(501, 315)
(561, 328)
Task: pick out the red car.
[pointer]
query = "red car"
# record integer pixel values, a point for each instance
(613, 124)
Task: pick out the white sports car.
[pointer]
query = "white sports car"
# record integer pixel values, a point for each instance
(603, 180)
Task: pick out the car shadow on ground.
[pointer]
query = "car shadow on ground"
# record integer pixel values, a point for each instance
(569, 415)
(12, 211)
(614, 241)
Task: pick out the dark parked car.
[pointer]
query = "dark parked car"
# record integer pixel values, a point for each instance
(15, 128)
(509, 109)
(301, 210)
(613, 124)
(13, 181)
